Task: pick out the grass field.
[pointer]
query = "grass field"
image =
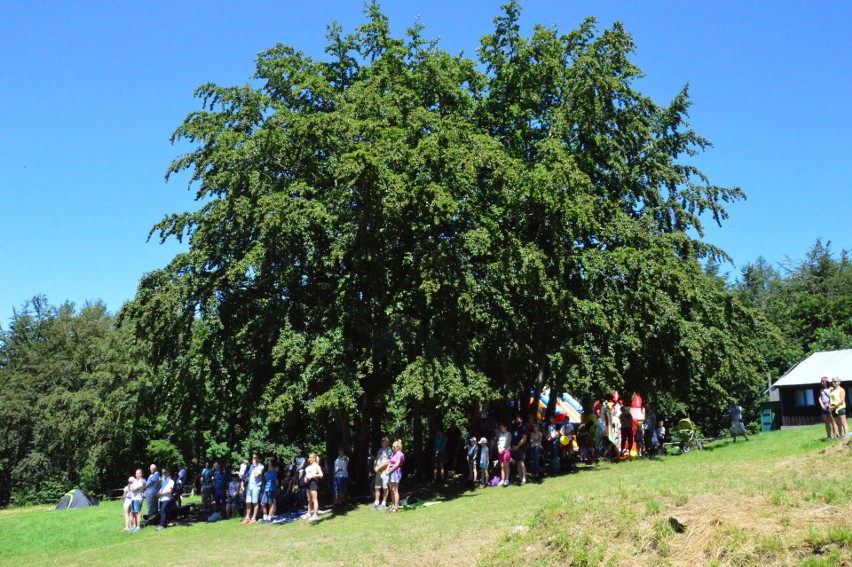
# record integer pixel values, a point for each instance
(781, 499)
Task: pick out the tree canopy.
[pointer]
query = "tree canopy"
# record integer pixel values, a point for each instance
(395, 232)
(390, 239)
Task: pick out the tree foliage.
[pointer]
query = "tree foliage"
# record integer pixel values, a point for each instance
(397, 229)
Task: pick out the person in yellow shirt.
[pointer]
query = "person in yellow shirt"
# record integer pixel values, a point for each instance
(837, 403)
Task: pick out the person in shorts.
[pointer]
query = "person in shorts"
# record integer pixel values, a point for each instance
(737, 425)
(825, 408)
(138, 488)
(254, 485)
(484, 461)
(519, 450)
(504, 453)
(837, 403)
(440, 456)
(270, 492)
(127, 503)
(380, 478)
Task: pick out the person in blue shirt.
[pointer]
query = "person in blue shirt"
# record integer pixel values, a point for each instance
(166, 496)
(440, 455)
(270, 492)
(220, 486)
(254, 485)
(177, 496)
(152, 486)
(206, 487)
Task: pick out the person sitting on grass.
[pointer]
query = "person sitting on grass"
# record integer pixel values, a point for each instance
(165, 495)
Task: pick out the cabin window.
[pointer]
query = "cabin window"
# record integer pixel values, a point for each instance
(804, 398)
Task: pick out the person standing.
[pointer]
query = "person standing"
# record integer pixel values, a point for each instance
(395, 473)
(737, 425)
(380, 479)
(206, 488)
(837, 402)
(472, 465)
(152, 487)
(138, 488)
(313, 474)
(220, 486)
(519, 450)
(504, 453)
(254, 483)
(165, 495)
(341, 477)
(440, 456)
(825, 408)
(535, 450)
(127, 503)
(484, 462)
(270, 492)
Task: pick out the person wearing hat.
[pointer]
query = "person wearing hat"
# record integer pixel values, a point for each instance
(126, 505)
(837, 402)
(483, 461)
(472, 451)
(825, 408)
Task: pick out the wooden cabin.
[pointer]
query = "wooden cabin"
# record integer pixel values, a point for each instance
(799, 388)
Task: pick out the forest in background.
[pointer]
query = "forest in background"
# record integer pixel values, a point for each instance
(392, 239)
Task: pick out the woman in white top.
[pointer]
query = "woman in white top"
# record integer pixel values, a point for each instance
(313, 474)
(504, 453)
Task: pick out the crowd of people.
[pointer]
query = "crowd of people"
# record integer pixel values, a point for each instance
(275, 491)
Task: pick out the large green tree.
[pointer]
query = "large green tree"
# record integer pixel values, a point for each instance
(393, 236)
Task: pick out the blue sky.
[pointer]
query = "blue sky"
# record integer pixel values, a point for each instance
(91, 92)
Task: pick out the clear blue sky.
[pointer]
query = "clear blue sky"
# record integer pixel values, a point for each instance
(91, 92)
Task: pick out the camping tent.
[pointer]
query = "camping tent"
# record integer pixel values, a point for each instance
(76, 499)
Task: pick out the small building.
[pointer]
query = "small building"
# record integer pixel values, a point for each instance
(799, 388)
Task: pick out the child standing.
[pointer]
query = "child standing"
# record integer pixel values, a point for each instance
(472, 455)
(128, 504)
(483, 461)
(271, 492)
(233, 496)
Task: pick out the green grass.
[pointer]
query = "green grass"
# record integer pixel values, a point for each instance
(782, 498)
